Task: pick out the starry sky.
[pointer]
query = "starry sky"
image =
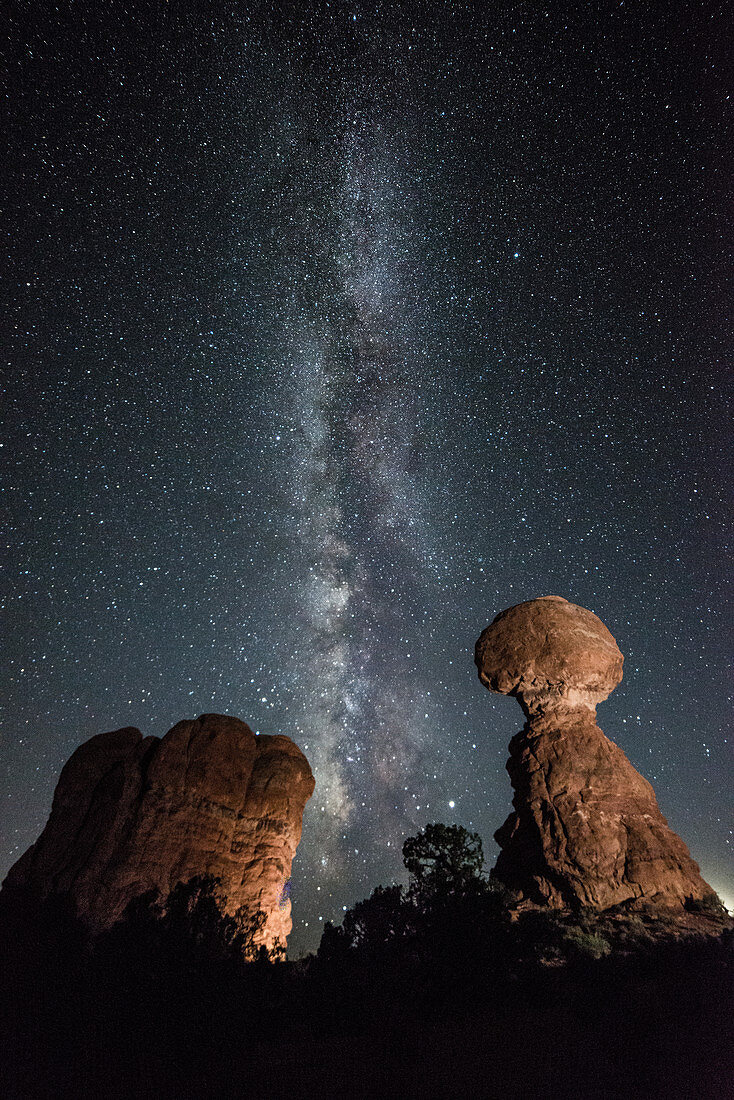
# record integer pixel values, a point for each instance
(332, 330)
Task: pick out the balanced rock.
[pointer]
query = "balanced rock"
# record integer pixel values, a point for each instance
(131, 814)
(586, 827)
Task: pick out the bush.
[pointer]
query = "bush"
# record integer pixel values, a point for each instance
(586, 945)
(711, 905)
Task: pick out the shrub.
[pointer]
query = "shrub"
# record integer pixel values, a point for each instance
(710, 905)
(586, 945)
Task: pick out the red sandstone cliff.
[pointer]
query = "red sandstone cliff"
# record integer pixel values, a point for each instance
(210, 798)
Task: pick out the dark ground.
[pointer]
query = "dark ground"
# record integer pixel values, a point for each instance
(622, 1027)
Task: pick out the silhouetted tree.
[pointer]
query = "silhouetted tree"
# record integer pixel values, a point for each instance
(449, 918)
(444, 861)
(382, 920)
(190, 922)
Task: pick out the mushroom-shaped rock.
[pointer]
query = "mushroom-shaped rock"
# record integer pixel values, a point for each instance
(132, 814)
(586, 827)
(549, 653)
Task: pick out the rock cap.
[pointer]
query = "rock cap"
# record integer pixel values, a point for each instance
(550, 654)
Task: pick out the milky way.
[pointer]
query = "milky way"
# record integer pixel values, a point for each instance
(359, 390)
(334, 331)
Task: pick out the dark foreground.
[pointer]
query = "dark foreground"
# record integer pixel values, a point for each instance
(151, 1020)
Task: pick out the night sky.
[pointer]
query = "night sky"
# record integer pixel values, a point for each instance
(331, 335)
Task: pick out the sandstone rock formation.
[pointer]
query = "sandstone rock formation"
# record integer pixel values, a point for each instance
(586, 827)
(132, 813)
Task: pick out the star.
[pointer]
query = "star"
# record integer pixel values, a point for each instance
(286, 431)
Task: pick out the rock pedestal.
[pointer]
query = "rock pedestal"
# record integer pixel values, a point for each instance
(586, 827)
(131, 814)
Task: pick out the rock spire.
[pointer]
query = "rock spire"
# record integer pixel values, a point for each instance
(586, 827)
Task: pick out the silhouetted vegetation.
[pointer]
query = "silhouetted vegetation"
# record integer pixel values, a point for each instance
(711, 905)
(436, 988)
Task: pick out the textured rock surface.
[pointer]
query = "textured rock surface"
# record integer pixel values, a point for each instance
(132, 813)
(549, 652)
(586, 827)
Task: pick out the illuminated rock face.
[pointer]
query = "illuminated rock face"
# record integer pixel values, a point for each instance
(586, 827)
(132, 813)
